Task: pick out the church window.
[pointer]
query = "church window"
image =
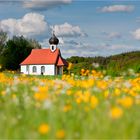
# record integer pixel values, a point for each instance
(34, 69)
(27, 68)
(42, 69)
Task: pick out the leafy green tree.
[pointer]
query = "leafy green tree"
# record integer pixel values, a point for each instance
(3, 39)
(16, 50)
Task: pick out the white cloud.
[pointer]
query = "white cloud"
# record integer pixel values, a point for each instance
(29, 25)
(68, 30)
(118, 8)
(44, 4)
(33, 24)
(136, 34)
(115, 47)
(112, 35)
(61, 40)
(121, 47)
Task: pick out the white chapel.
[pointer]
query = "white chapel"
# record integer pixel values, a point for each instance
(44, 61)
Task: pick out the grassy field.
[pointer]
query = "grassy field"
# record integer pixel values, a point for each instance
(76, 107)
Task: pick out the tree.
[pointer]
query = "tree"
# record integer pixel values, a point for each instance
(3, 39)
(16, 50)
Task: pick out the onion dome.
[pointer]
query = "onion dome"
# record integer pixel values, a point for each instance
(54, 40)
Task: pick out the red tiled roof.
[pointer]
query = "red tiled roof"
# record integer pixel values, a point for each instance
(44, 56)
(61, 61)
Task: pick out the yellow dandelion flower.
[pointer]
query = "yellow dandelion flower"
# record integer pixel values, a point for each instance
(40, 96)
(69, 92)
(137, 101)
(44, 128)
(102, 85)
(3, 93)
(117, 92)
(60, 134)
(82, 70)
(93, 72)
(43, 89)
(106, 94)
(126, 102)
(13, 96)
(86, 96)
(69, 66)
(67, 108)
(93, 102)
(78, 100)
(116, 113)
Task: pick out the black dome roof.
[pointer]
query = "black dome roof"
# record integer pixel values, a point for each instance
(53, 40)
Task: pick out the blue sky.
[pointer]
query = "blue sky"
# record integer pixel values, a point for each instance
(85, 28)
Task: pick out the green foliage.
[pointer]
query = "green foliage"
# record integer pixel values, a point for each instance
(113, 65)
(15, 51)
(3, 39)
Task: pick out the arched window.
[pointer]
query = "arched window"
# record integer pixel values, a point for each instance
(34, 69)
(27, 68)
(42, 69)
(52, 47)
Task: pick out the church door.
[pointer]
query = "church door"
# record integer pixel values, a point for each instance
(42, 70)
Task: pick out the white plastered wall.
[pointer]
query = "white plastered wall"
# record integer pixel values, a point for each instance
(49, 69)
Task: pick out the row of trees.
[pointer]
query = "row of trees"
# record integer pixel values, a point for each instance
(113, 65)
(13, 51)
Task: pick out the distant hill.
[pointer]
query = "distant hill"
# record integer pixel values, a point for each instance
(113, 65)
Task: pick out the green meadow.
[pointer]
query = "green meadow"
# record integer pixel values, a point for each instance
(69, 107)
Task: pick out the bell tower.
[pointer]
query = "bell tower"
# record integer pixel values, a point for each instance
(53, 42)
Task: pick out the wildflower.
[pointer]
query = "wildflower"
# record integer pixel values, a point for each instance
(86, 96)
(3, 93)
(13, 96)
(93, 72)
(102, 85)
(47, 104)
(93, 102)
(69, 92)
(40, 96)
(137, 100)
(60, 134)
(87, 72)
(106, 94)
(78, 100)
(90, 83)
(69, 66)
(96, 65)
(117, 92)
(116, 113)
(37, 105)
(66, 108)
(44, 129)
(82, 71)
(125, 102)
(43, 89)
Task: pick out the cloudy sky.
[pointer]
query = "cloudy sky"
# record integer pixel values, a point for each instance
(84, 27)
